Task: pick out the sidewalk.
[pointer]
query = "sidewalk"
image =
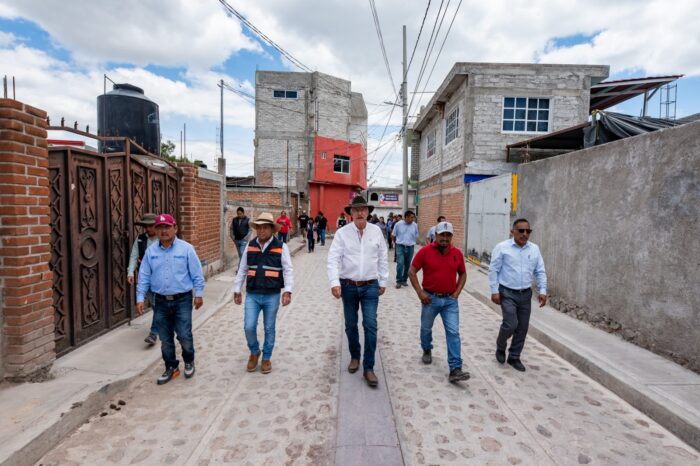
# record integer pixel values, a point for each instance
(36, 416)
(661, 389)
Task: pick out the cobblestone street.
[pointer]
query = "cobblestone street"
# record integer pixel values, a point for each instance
(552, 414)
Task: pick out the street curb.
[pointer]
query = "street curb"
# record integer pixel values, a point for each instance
(37, 447)
(666, 417)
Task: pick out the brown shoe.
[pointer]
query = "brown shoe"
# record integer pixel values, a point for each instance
(371, 379)
(354, 365)
(253, 362)
(266, 366)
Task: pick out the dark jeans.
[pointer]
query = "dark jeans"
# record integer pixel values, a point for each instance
(283, 236)
(154, 327)
(322, 236)
(515, 306)
(353, 297)
(310, 240)
(174, 317)
(389, 241)
(404, 254)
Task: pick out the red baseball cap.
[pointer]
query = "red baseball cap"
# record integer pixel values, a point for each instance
(165, 219)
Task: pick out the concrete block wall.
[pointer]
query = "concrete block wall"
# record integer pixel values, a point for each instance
(201, 221)
(334, 106)
(617, 226)
(26, 298)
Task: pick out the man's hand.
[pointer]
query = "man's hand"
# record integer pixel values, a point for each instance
(286, 298)
(496, 298)
(542, 299)
(130, 279)
(237, 298)
(382, 289)
(424, 298)
(139, 308)
(198, 302)
(336, 292)
(455, 295)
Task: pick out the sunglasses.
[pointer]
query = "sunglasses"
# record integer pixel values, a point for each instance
(523, 230)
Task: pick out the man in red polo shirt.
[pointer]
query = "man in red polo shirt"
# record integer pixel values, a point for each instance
(444, 276)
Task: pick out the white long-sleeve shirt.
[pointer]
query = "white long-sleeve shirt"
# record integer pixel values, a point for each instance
(287, 269)
(358, 258)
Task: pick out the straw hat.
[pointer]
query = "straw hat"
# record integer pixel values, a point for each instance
(266, 218)
(147, 219)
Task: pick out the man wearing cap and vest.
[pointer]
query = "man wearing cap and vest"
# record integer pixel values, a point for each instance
(441, 263)
(358, 273)
(143, 241)
(172, 271)
(266, 267)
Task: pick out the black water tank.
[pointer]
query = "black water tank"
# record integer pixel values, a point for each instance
(126, 111)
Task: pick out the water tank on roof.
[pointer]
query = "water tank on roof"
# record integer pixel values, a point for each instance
(126, 111)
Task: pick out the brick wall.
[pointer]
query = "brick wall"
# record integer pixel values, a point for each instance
(200, 211)
(443, 197)
(27, 317)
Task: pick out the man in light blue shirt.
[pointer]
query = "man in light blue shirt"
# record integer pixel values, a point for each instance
(514, 263)
(405, 234)
(172, 271)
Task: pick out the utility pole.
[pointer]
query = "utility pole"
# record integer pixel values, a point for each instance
(221, 128)
(404, 97)
(286, 195)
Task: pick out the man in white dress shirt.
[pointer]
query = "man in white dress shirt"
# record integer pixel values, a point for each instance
(358, 272)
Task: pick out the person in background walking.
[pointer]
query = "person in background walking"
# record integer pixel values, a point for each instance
(303, 222)
(240, 231)
(514, 262)
(143, 241)
(342, 221)
(285, 225)
(358, 273)
(382, 226)
(267, 270)
(172, 270)
(405, 234)
(397, 219)
(442, 263)
(321, 224)
(389, 226)
(430, 237)
(310, 235)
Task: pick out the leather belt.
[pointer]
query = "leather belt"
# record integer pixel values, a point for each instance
(514, 290)
(439, 295)
(345, 281)
(173, 297)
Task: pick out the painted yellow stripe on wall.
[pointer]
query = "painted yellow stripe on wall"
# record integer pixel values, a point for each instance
(514, 193)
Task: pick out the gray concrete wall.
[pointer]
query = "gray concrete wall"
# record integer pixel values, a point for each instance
(618, 228)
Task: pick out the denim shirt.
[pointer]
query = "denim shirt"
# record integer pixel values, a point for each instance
(174, 270)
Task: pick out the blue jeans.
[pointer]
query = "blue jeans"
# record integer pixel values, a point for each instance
(448, 309)
(268, 304)
(283, 237)
(322, 236)
(174, 317)
(368, 297)
(240, 247)
(404, 255)
(151, 298)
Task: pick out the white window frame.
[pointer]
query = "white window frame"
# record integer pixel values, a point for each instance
(345, 159)
(452, 126)
(527, 110)
(431, 143)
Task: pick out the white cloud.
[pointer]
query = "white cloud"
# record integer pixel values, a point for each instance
(6, 38)
(194, 34)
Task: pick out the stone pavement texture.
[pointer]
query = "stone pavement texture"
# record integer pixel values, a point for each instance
(552, 414)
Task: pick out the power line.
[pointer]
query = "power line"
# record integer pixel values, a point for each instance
(417, 38)
(378, 28)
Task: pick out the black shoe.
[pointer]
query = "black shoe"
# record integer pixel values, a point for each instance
(151, 339)
(457, 375)
(169, 374)
(517, 365)
(189, 369)
(500, 356)
(427, 356)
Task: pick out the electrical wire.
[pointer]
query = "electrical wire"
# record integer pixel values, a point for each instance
(378, 28)
(415, 46)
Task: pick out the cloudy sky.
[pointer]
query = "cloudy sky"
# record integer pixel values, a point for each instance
(177, 50)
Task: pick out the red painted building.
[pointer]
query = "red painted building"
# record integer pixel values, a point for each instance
(339, 173)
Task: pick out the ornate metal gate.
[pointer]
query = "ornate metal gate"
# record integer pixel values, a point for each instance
(95, 200)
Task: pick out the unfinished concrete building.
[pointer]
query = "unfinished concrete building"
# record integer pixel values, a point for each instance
(303, 122)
